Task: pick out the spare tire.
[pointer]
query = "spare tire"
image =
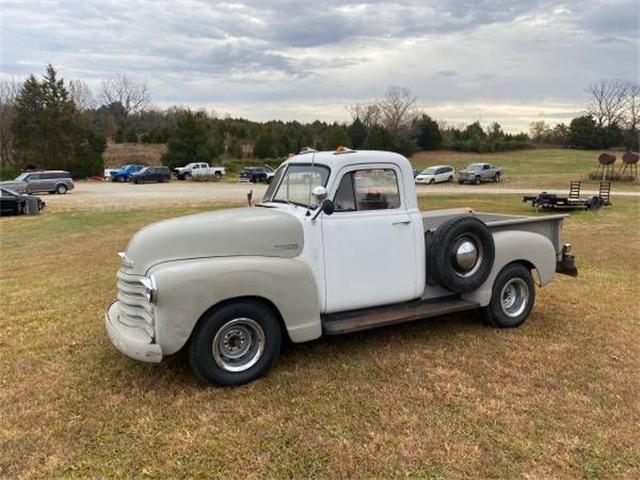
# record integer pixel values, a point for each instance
(460, 254)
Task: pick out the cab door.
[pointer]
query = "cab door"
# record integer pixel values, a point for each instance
(368, 242)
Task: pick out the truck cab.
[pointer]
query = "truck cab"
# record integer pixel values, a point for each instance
(336, 245)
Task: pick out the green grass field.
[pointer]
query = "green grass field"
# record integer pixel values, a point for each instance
(441, 398)
(536, 168)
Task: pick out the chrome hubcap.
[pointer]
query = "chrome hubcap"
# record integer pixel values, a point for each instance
(514, 297)
(466, 255)
(238, 344)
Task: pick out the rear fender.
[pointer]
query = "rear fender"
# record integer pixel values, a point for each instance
(532, 249)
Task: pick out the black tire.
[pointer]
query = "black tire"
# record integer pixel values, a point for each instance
(519, 278)
(497, 178)
(201, 345)
(61, 189)
(432, 181)
(442, 263)
(451, 179)
(187, 176)
(218, 175)
(460, 182)
(477, 181)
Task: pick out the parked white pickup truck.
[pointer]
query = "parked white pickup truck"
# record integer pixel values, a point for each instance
(337, 245)
(199, 170)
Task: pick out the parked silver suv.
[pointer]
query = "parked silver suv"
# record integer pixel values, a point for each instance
(52, 181)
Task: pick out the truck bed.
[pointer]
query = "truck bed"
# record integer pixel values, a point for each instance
(546, 225)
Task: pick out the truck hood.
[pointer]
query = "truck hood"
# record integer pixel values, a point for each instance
(237, 231)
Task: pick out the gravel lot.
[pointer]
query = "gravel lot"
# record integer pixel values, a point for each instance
(126, 196)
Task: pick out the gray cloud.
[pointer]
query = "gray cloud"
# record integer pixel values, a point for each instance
(296, 54)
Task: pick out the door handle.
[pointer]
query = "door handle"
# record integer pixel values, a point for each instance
(403, 222)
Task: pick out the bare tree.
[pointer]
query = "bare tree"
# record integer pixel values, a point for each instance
(9, 89)
(131, 94)
(632, 106)
(368, 113)
(397, 107)
(608, 101)
(82, 95)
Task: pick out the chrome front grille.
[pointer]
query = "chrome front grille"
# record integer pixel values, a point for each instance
(135, 311)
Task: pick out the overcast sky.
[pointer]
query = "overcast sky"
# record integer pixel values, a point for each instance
(513, 61)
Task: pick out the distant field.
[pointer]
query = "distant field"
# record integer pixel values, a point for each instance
(442, 398)
(119, 154)
(537, 168)
(541, 168)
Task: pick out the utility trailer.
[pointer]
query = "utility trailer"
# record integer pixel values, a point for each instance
(551, 201)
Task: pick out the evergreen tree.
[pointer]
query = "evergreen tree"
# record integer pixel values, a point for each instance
(583, 133)
(378, 138)
(234, 150)
(357, 132)
(191, 142)
(333, 136)
(427, 131)
(49, 131)
(263, 148)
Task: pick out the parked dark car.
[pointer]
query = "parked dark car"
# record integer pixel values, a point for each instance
(123, 174)
(52, 181)
(254, 174)
(152, 174)
(14, 203)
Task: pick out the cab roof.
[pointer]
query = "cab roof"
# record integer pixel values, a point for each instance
(336, 159)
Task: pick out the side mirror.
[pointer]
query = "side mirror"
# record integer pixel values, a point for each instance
(327, 207)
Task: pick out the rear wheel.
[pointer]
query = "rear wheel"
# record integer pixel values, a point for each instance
(61, 189)
(497, 178)
(512, 298)
(451, 179)
(235, 344)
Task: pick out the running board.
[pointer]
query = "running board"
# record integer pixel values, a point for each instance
(364, 319)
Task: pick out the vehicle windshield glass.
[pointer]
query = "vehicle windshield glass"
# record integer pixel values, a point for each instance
(144, 170)
(21, 177)
(429, 171)
(293, 183)
(475, 166)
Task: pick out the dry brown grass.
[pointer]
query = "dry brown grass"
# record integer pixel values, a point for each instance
(441, 398)
(118, 154)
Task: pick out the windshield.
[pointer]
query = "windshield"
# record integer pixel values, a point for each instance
(475, 166)
(21, 177)
(144, 170)
(292, 184)
(429, 171)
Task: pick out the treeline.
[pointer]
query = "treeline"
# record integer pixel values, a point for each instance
(50, 123)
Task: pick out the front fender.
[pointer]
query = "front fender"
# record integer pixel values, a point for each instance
(513, 246)
(188, 288)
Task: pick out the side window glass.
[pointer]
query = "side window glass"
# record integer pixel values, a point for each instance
(375, 189)
(345, 200)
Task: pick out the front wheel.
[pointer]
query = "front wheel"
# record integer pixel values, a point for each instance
(497, 178)
(235, 344)
(512, 298)
(477, 181)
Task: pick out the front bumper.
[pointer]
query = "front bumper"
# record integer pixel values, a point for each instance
(132, 342)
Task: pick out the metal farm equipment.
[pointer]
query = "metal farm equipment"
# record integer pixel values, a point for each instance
(551, 201)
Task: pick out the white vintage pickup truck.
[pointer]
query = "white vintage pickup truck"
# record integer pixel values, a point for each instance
(337, 245)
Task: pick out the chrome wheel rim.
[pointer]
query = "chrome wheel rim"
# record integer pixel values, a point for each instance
(238, 344)
(466, 255)
(514, 297)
